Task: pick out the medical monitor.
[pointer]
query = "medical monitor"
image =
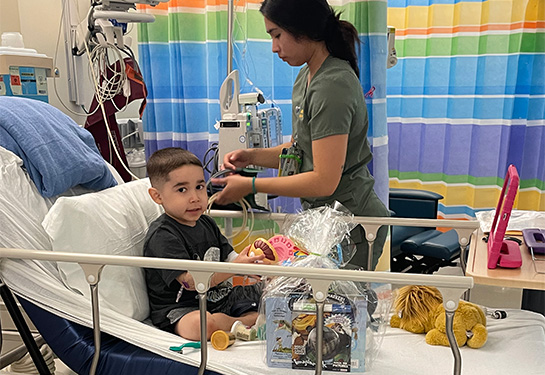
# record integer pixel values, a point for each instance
(501, 252)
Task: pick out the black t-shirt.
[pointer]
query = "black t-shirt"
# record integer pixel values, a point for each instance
(167, 238)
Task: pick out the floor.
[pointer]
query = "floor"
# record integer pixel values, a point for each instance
(60, 369)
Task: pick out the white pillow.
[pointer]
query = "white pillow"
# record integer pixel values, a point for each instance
(22, 208)
(112, 221)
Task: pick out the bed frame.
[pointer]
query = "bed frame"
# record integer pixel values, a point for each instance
(451, 287)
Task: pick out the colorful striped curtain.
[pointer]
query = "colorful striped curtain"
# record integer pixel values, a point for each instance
(466, 99)
(183, 56)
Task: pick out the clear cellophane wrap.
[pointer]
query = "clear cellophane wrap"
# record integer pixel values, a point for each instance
(354, 312)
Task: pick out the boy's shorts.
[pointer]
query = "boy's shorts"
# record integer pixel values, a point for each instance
(241, 299)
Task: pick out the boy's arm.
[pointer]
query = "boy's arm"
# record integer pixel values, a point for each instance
(186, 280)
(164, 244)
(242, 257)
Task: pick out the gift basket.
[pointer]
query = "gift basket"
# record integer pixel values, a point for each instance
(354, 313)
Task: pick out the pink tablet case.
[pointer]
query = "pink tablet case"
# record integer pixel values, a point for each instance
(504, 253)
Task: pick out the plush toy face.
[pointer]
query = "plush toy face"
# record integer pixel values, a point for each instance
(415, 306)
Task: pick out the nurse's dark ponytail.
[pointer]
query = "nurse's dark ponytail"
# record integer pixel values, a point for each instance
(316, 20)
(341, 38)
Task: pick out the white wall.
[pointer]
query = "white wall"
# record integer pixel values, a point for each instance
(9, 16)
(40, 22)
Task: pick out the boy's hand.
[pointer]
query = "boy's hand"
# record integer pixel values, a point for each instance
(243, 257)
(186, 281)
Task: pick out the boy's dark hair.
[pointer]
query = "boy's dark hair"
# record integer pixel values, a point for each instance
(316, 20)
(165, 160)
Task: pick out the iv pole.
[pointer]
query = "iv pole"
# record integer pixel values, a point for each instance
(230, 9)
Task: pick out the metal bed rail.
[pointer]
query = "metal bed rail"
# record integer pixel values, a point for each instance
(451, 287)
(464, 229)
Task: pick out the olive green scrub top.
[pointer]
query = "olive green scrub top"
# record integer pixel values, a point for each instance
(334, 104)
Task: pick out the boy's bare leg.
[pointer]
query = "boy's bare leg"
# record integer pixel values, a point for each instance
(249, 318)
(189, 327)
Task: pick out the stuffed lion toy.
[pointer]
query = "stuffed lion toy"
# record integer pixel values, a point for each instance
(419, 309)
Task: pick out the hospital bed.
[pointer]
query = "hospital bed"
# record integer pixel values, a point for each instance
(43, 237)
(131, 346)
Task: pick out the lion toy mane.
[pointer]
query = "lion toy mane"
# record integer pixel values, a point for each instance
(419, 309)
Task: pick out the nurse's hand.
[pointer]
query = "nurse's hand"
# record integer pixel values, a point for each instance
(235, 188)
(237, 159)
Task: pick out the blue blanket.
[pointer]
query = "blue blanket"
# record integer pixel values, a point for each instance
(56, 152)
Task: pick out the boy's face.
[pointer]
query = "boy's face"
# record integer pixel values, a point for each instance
(183, 196)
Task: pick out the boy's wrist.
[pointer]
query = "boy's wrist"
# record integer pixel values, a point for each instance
(214, 280)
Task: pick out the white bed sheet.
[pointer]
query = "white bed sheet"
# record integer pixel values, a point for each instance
(516, 345)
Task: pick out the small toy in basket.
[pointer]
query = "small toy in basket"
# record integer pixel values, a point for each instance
(276, 249)
(311, 240)
(291, 333)
(337, 339)
(285, 248)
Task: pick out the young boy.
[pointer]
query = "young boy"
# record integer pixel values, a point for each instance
(183, 232)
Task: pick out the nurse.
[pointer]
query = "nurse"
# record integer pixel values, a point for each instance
(329, 121)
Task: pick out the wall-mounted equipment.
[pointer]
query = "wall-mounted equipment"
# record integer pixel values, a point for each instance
(23, 71)
(105, 25)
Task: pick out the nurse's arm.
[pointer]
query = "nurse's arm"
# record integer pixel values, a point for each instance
(267, 157)
(264, 157)
(329, 155)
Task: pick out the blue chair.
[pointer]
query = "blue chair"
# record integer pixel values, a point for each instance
(419, 249)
